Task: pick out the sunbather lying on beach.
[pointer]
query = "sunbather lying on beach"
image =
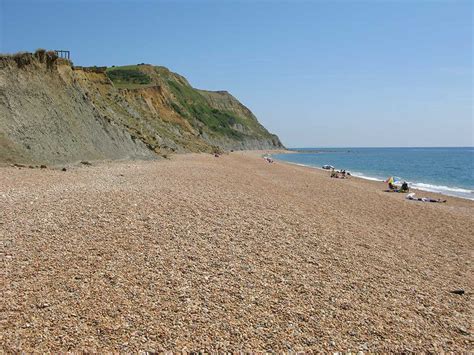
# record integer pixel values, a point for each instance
(423, 199)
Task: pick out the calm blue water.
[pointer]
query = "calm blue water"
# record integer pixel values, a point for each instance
(445, 170)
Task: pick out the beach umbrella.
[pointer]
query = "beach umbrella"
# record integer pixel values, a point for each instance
(393, 180)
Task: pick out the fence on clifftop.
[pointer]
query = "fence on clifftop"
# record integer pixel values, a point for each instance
(63, 54)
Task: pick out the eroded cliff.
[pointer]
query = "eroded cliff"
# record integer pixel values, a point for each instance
(52, 112)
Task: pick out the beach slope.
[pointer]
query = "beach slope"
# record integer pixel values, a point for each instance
(230, 253)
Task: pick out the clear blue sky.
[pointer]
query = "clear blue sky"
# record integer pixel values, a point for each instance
(317, 73)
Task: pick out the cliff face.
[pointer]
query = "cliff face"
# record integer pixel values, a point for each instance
(51, 112)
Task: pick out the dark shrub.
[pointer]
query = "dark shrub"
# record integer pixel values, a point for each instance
(40, 54)
(51, 58)
(22, 59)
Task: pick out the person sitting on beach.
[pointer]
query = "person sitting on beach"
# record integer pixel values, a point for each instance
(423, 199)
(404, 187)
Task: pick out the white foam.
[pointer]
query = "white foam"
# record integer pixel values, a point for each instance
(308, 166)
(446, 190)
(362, 176)
(299, 164)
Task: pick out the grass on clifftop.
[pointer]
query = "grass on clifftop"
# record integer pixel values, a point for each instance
(128, 77)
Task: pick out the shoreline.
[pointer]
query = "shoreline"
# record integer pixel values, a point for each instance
(374, 185)
(415, 188)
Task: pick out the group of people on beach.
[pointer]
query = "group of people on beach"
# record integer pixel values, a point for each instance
(268, 159)
(394, 188)
(340, 174)
(404, 188)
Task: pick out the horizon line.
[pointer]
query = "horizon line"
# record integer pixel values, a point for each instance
(346, 147)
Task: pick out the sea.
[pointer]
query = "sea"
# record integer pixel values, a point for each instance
(448, 171)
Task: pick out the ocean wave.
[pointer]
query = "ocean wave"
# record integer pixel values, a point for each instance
(365, 177)
(446, 190)
(308, 166)
(299, 164)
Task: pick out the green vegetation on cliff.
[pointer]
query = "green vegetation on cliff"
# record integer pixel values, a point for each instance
(128, 77)
(194, 106)
(204, 110)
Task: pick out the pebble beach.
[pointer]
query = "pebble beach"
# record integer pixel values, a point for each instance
(198, 253)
